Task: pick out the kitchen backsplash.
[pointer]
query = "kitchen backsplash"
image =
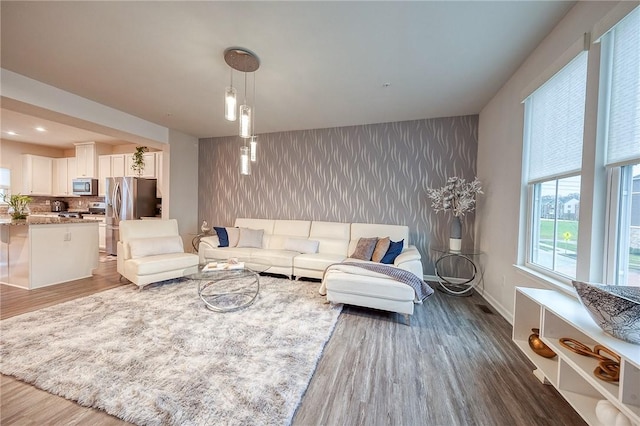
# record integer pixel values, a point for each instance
(40, 205)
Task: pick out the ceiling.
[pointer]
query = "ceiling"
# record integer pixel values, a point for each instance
(323, 64)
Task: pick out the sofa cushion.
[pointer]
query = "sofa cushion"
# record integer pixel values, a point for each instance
(316, 261)
(142, 247)
(367, 286)
(224, 253)
(395, 248)
(250, 238)
(160, 263)
(382, 246)
(301, 245)
(364, 248)
(282, 258)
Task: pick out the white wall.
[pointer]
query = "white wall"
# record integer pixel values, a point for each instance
(500, 158)
(183, 184)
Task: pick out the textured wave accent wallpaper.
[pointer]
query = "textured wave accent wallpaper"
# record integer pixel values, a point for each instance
(375, 173)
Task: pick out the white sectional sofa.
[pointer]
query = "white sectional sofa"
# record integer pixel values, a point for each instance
(308, 248)
(336, 240)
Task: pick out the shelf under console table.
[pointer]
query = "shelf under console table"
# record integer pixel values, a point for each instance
(558, 315)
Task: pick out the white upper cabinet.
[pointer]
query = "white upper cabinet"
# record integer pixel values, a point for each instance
(87, 160)
(149, 170)
(104, 171)
(64, 171)
(118, 165)
(37, 173)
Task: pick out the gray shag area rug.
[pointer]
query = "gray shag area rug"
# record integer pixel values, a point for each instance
(159, 357)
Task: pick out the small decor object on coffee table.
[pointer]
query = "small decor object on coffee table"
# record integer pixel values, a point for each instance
(459, 197)
(229, 285)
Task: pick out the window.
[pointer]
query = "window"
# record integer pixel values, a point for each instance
(554, 123)
(5, 183)
(627, 259)
(620, 120)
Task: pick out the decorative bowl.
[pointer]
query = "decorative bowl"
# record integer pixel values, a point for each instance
(616, 309)
(538, 346)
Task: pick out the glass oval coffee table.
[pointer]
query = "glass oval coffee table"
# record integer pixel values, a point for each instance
(229, 287)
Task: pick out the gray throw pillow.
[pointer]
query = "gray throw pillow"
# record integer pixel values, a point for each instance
(250, 238)
(364, 248)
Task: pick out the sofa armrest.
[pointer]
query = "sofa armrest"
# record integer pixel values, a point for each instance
(409, 253)
(121, 257)
(410, 260)
(205, 243)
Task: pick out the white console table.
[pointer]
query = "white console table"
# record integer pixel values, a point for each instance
(558, 315)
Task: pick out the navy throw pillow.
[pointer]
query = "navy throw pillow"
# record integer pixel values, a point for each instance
(223, 237)
(395, 248)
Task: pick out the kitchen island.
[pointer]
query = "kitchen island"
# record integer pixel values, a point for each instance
(42, 251)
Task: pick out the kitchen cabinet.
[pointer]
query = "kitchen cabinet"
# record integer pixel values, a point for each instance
(37, 172)
(118, 165)
(43, 254)
(102, 229)
(87, 154)
(104, 171)
(64, 171)
(109, 166)
(149, 170)
(86, 160)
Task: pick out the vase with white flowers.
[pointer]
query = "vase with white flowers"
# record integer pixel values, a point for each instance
(459, 197)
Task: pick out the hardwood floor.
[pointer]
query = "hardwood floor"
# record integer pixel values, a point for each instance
(455, 365)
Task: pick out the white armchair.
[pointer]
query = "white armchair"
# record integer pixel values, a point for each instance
(151, 250)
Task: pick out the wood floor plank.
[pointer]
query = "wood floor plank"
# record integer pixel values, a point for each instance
(455, 365)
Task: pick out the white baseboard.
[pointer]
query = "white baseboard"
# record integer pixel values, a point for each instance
(490, 300)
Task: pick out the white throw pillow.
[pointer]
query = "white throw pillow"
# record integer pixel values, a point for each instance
(143, 247)
(301, 245)
(234, 236)
(250, 238)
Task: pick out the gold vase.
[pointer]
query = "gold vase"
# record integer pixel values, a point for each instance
(538, 346)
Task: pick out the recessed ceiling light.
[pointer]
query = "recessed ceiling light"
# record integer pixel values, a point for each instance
(12, 133)
(41, 129)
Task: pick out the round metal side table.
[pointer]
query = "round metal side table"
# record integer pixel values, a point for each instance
(458, 272)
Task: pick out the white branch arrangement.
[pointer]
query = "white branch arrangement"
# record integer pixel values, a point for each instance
(457, 195)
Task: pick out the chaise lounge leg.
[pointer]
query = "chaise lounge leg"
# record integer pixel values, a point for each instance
(407, 319)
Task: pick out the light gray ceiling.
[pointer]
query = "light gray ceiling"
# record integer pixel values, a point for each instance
(323, 64)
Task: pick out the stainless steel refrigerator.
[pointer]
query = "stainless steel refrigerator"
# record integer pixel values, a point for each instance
(127, 198)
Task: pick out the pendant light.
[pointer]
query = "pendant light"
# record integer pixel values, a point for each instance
(245, 162)
(253, 145)
(245, 61)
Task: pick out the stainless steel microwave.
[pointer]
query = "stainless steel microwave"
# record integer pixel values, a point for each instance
(85, 187)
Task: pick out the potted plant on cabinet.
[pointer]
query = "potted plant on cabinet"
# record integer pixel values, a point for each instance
(18, 205)
(138, 159)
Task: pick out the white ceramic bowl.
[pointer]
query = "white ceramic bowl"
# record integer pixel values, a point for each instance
(616, 309)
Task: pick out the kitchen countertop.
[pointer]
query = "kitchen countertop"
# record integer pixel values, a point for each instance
(41, 220)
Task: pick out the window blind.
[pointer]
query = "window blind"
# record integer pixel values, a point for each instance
(623, 133)
(555, 121)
